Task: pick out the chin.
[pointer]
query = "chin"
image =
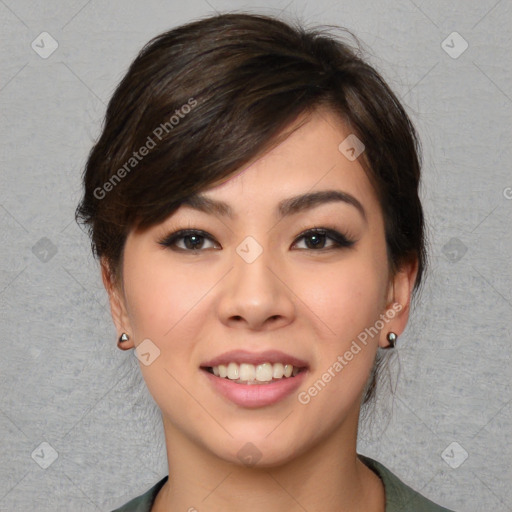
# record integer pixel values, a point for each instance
(258, 449)
(253, 457)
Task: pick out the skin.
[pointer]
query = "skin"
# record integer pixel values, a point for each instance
(311, 303)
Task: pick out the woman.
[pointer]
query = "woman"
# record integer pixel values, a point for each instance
(253, 200)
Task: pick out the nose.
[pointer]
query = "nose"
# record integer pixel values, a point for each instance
(255, 295)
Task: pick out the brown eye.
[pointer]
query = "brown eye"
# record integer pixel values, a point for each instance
(188, 240)
(315, 239)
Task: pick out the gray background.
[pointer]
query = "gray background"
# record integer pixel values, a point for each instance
(63, 381)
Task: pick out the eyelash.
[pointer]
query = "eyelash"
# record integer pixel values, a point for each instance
(340, 240)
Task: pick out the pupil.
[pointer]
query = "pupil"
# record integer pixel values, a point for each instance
(194, 241)
(316, 240)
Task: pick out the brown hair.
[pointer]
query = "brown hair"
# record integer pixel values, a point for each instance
(203, 99)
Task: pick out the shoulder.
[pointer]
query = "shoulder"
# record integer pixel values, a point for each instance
(399, 496)
(143, 502)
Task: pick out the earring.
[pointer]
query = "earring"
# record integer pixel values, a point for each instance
(391, 337)
(122, 339)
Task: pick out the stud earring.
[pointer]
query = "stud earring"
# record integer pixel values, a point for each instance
(122, 339)
(391, 337)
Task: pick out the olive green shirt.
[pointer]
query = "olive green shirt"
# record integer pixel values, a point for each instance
(399, 496)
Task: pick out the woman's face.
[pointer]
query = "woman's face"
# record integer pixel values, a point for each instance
(258, 278)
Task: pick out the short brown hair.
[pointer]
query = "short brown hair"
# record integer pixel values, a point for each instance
(209, 96)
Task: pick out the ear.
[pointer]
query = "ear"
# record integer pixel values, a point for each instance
(399, 300)
(117, 304)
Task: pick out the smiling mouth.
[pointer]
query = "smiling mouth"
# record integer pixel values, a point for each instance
(250, 374)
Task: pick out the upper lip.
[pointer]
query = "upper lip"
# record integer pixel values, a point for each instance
(243, 356)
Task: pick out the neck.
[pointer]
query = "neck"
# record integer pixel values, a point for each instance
(327, 477)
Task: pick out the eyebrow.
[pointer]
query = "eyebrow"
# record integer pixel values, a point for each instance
(286, 207)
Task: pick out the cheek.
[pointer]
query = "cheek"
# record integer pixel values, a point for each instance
(159, 297)
(347, 302)
(163, 306)
(346, 297)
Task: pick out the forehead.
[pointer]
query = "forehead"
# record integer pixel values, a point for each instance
(313, 158)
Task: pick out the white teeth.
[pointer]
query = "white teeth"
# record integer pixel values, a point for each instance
(264, 372)
(247, 372)
(278, 371)
(233, 371)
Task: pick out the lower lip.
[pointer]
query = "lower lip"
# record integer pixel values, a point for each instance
(255, 395)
